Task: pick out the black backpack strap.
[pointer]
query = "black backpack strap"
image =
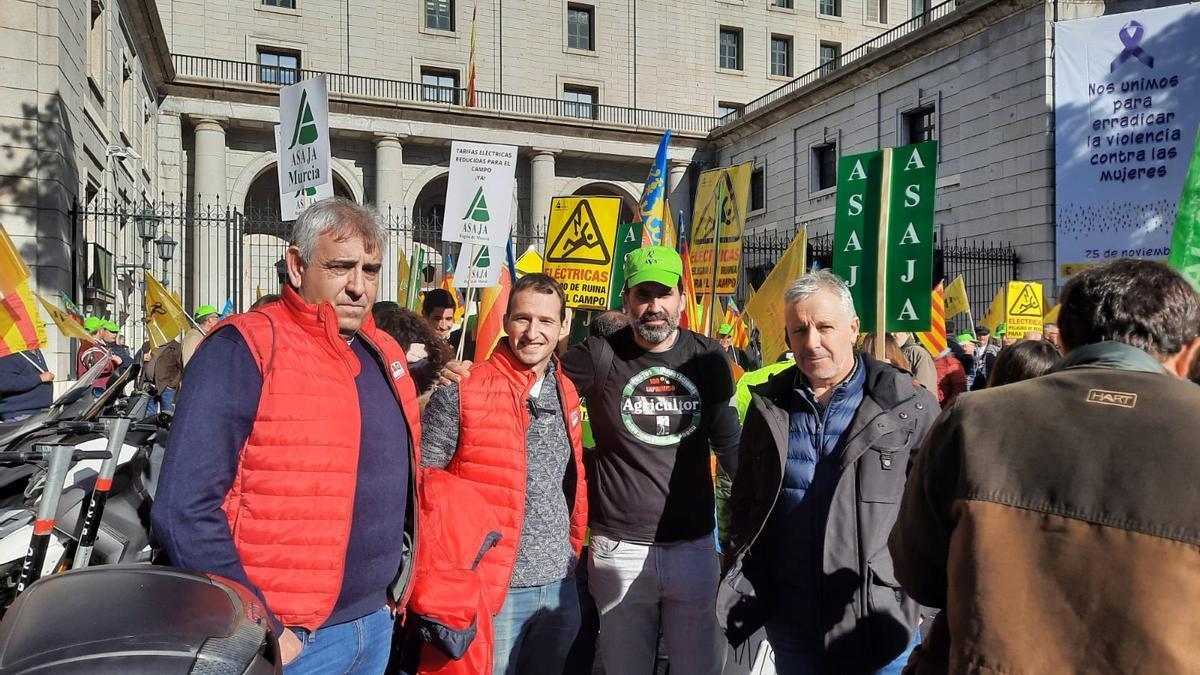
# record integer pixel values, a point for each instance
(602, 362)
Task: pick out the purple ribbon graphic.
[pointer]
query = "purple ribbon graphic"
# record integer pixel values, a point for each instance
(1131, 37)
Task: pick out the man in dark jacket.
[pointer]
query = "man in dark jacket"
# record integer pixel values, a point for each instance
(823, 458)
(25, 385)
(1057, 520)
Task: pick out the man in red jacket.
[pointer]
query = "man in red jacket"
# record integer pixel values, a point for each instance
(513, 428)
(291, 462)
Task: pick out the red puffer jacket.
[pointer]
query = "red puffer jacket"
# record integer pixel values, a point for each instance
(292, 501)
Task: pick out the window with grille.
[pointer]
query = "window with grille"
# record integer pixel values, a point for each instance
(731, 48)
(278, 67)
(439, 14)
(580, 102)
(920, 124)
(824, 166)
(580, 33)
(781, 55)
(830, 7)
(829, 54)
(439, 86)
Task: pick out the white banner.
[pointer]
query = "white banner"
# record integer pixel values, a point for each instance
(304, 135)
(479, 194)
(485, 263)
(1125, 118)
(292, 204)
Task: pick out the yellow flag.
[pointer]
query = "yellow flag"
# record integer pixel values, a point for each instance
(258, 293)
(1052, 315)
(165, 318)
(766, 305)
(21, 327)
(65, 322)
(402, 274)
(956, 298)
(13, 269)
(530, 262)
(995, 313)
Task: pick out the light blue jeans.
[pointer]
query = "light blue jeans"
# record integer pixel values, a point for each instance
(359, 647)
(535, 629)
(638, 587)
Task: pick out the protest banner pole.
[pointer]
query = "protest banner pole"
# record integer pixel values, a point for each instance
(881, 258)
(712, 289)
(462, 335)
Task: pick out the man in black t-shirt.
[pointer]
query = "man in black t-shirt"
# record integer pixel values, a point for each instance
(659, 399)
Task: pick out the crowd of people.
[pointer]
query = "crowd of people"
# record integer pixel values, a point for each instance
(1019, 508)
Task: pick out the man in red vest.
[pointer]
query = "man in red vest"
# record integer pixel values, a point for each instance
(291, 462)
(513, 429)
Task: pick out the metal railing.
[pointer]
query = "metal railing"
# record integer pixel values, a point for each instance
(221, 70)
(843, 60)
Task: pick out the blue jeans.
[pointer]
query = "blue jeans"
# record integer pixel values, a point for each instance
(535, 629)
(798, 653)
(359, 647)
(168, 403)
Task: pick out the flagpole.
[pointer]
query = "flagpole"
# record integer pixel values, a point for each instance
(718, 216)
(881, 258)
(462, 335)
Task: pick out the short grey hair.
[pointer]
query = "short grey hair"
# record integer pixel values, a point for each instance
(343, 218)
(807, 284)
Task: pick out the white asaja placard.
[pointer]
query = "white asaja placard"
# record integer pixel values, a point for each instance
(292, 204)
(484, 263)
(304, 135)
(479, 193)
(1125, 119)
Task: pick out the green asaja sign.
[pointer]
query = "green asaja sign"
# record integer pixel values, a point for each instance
(883, 234)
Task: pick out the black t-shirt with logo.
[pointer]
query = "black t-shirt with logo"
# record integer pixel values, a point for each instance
(655, 416)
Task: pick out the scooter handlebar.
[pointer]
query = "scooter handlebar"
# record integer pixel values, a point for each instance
(34, 456)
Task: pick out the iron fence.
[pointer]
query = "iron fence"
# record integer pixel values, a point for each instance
(216, 253)
(984, 266)
(222, 70)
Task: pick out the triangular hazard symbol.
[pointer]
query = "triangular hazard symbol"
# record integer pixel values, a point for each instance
(478, 210)
(483, 259)
(1027, 303)
(306, 127)
(579, 241)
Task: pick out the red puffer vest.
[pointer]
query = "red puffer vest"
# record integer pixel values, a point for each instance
(292, 501)
(493, 419)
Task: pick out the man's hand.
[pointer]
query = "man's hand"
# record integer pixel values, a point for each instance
(455, 371)
(47, 376)
(289, 646)
(116, 360)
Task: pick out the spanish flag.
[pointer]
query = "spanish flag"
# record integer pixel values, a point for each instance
(165, 318)
(935, 339)
(21, 328)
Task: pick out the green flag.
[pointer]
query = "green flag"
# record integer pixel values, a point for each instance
(1185, 242)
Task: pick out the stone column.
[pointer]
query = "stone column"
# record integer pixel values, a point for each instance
(680, 192)
(389, 199)
(541, 188)
(210, 257)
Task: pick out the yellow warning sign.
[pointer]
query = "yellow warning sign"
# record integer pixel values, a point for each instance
(580, 240)
(1024, 309)
(722, 200)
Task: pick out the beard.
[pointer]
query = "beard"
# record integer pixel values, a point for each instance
(656, 334)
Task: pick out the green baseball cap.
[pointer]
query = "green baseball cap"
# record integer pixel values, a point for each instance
(92, 324)
(725, 329)
(964, 338)
(660, 264)
(1002, 329)
(204, 310)
(112, 326)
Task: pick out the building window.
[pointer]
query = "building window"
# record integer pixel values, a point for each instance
(830, 7)
(781, 55)
(877, 11)
(758, 189)
(580, 28)
(731, 48)
(919, 7)
(726, 108)
(580, 102)
(278, 67)
(286, 4)
(920, 124)
(126, 113)
(96, 51)
(439, 14)
(439, 86)
(829, 54)
(786, 4)
(824, 164)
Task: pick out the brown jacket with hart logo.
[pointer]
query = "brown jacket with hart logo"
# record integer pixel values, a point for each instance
(1057, 522)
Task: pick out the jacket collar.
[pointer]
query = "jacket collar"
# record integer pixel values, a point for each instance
(1111, 355)
(881, 383)
(320, 322)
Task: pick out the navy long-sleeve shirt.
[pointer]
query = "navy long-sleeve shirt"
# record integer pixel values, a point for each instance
(21, 387)
(212, 422)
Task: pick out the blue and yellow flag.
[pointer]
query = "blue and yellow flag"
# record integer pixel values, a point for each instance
(653, 211)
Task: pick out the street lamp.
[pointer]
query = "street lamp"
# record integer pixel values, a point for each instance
(147, 223)
(166, 248)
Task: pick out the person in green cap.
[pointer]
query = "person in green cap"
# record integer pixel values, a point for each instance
(737, 356)
(99, 349)
(206, 317)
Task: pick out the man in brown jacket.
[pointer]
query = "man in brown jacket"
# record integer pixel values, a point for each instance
(1057, 520)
